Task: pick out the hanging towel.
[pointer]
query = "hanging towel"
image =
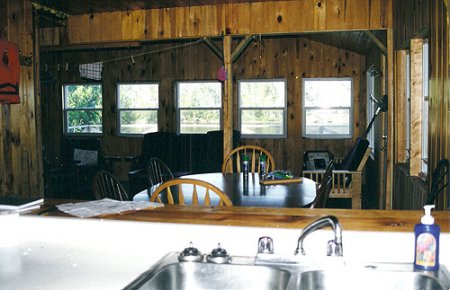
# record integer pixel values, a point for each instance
(92, 71)
(9, 73)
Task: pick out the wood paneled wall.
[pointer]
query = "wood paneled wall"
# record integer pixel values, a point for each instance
(290, 57)
(439, 101)
(20, 140)
(431, 22)
(267, 17)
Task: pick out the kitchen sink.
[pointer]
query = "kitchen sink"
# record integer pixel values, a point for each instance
(289, 273)
(367, 279)
(170, 274)
(190, 269)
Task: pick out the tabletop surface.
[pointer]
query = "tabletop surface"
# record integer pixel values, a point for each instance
(249, 192)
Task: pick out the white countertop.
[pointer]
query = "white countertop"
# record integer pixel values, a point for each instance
(72, 253)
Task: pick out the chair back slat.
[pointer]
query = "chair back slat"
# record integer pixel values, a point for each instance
(201, 192)
(106, 185)
(158, 171)
(208, 198)
(232, 162)
(195, 196)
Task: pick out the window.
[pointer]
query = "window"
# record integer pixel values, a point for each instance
(327, 108)
(137, 108)
(262, 108)
(199, 106)
(82, 107)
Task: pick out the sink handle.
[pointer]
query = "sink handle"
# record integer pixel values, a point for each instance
(265, 245)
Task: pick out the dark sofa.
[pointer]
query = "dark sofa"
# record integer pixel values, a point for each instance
(184, 154)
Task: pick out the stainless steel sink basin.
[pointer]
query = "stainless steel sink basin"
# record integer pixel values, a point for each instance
(367, 279)
(275, 273)
(174, 275)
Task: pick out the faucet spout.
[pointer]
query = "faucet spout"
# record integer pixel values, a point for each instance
(334, 246)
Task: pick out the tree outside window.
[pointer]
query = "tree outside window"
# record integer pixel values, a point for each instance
(327, 108)
(83, 109)
(138, 108)
(262, 108)
(199, 106)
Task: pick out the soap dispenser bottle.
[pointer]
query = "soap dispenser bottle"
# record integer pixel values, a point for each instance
(426, 255)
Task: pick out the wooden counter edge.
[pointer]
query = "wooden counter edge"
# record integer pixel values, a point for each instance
(357, 220)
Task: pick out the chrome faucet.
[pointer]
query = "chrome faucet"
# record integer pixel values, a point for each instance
(334, 247)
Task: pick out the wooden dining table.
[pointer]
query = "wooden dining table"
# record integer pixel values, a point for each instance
(248, 192)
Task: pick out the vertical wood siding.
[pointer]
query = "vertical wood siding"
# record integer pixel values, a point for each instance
(20, 143)
(276, 17)
(290, 57)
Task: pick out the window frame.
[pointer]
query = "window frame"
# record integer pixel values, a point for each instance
(65, 110)
(283, 109)
(351, 110)
(118, 123)
(179, 109)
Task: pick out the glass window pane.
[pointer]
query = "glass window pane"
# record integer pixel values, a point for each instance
(327, 93)
(199, 95)
(262, 122)
(84, 121)
(137, 96)
(327, 121)
(138, 122)
(199, 121)
(83, 96)
(262, 94)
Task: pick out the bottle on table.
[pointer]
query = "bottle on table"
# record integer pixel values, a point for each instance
(245, 165)
(262, 166)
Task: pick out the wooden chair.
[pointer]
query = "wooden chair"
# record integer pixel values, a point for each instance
(324, 188)
(107, 185)
(232, 162)
(346, 183)
(174, 192)
(158, 171)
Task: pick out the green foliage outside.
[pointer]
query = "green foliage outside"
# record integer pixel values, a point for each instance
(83, 108)
(199, 104)
(262, 104)
(138, 104)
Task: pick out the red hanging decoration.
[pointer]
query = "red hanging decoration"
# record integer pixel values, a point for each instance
(222, 74)
(9, 73)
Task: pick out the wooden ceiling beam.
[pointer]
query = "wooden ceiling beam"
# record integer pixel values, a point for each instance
(377, 42)
(241, 47)
(213, 47)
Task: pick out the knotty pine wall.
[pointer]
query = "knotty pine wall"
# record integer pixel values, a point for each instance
(290, 57)
(21, 168)
(267, 17)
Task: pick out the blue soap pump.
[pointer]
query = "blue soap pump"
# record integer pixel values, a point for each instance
(426, 255)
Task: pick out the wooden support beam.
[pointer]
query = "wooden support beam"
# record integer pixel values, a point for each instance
(227, 98)
(377, 42)
(213, 47)
(241, 47)
(91, 46)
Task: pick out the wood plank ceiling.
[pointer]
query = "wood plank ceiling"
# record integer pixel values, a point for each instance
(356, 41)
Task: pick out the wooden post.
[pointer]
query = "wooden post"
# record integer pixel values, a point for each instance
(416, 107)
(227, 98)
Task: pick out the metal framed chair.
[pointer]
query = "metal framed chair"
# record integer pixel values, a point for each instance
(232, 162)
(324, 188)
(106, 185)
(190, 191)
